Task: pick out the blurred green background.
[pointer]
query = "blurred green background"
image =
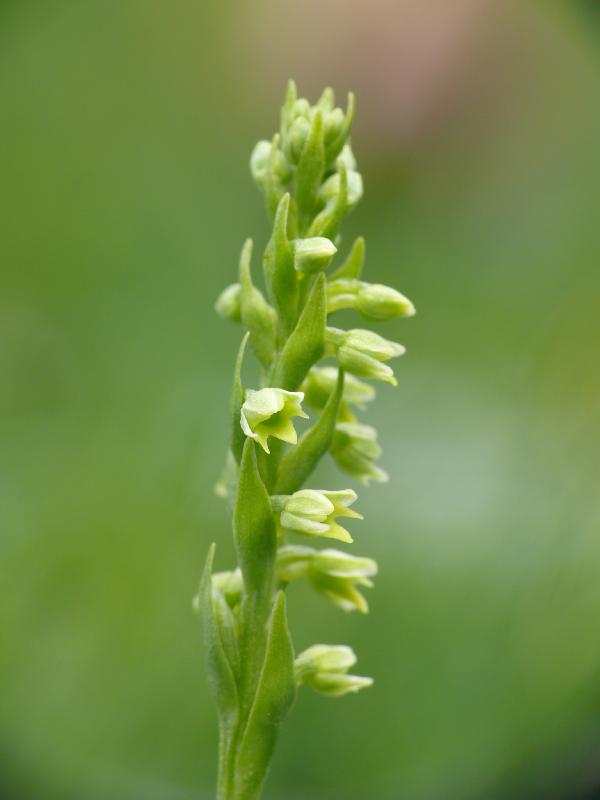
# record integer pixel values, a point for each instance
(124, 139)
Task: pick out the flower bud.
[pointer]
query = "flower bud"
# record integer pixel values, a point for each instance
(269, 412)
(231, 585)
(325, 668)
(334, 124)
(264, 159)
(329, 191)
(373, 301)
(259, 161)
(354, 449)
(347, 157)
(228, 303)
(313, 512)
(320, 383)
(313, 254)
(299, 133)
(377, 302)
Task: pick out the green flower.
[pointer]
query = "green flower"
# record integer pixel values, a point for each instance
(355, 449)
(312, 512)
(324, 667)
(337, 576)
(363, 352)
(269, 412)
(321, 382)
(332, 573)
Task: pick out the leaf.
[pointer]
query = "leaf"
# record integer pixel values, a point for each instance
(352, 266)
(275, 696)
(220, 673)
(257, 314)
(306, 343)
(280, 275)
(309, 172)
(237, 399)
(301, 460)
(254, 527)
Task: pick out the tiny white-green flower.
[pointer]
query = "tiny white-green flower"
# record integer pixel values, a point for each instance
(337, 576)
(321, 382)
(313, 512)
(268, 412)
(325, 667)
(355, 449)
(363, 352)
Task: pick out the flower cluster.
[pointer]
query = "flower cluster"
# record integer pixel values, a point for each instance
(308, 175)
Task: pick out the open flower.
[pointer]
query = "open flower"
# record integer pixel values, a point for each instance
(337, 576)
(269, 412)
(355, 449)
(313, 512)
(320, 383)
(332, 573)
(324, 667)
(363, 352)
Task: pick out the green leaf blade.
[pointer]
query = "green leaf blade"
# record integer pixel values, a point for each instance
(219, 670)
(301, 460)
(306, 343)
(275, 695)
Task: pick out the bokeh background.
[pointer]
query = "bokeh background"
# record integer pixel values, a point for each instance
(125, 197)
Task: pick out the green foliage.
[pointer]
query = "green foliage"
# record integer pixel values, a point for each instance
(308, 175)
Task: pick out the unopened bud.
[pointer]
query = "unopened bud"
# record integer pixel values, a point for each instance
(230, 584)
(330, 190)
(228, 303)
(313, 254)
(299, 133)
(334, 124)
(263, 159)
(378, 302)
